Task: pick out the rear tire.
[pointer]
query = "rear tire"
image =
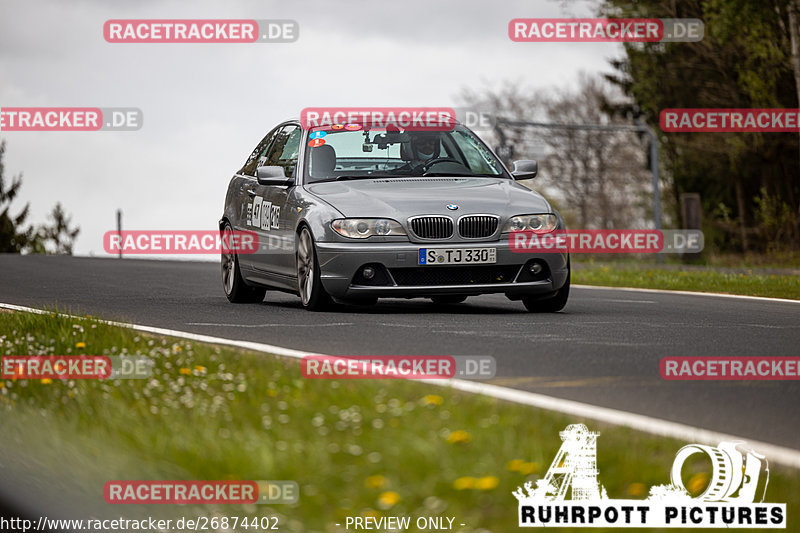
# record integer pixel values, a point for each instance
(448, 300)
(233, 283)
(549, 305)
(309, 284)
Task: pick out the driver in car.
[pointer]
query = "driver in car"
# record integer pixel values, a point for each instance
(423, 148)
(426, 146)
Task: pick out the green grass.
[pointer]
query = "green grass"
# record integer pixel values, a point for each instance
(355, 447)
(749, 284)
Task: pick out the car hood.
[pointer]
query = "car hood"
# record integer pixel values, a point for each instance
(400, 198)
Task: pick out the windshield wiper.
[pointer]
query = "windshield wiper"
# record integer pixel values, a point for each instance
(342, 178)
(457, 175)
(346, 177)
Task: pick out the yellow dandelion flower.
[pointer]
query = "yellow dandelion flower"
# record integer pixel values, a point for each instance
(46, 381)
(176, 348)
(487, 483)
(514, 465)
(464, 483)
(459, 436)
(80, 344)
(637, 489)
(200, 369)
(185, 371)
(528, 468)
(388, 499)
(375, 482)
(432, 399)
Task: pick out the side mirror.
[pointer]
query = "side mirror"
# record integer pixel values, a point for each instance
(272, 175)
(525, 169)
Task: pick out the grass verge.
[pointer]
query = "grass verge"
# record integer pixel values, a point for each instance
(748, 284)
(356, 448)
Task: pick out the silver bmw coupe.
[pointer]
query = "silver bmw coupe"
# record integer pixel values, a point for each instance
(350, 214)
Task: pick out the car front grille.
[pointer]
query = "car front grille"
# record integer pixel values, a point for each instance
(458, 275)
(432, 227)
(477, 226)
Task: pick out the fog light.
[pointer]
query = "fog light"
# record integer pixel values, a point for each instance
(368, 272)
(535, 268)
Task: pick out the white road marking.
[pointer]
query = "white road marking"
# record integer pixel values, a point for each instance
(270, 325)
(647, 424)
(627, 301)
(689, 293)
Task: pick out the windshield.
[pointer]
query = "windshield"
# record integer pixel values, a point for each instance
(353, 152)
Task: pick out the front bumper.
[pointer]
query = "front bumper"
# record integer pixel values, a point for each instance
(341, 263)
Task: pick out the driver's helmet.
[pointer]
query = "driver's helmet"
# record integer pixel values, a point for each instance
(426, 146)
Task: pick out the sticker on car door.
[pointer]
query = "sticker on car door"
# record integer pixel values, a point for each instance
(255, 219)
(266, 215)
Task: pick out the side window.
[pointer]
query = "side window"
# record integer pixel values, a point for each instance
(259, 154)
(285, 150)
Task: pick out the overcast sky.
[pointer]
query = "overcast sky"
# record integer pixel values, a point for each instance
(207, 105)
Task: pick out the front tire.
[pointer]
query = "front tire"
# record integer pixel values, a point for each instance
(549, 305)
(236, 289)
(309, 284)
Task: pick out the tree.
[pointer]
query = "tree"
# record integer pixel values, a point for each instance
(59, 234)
(600, 174)
(13, 238)
(748, 58)
(57, 238)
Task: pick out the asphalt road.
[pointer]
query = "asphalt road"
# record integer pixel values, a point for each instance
(604, 349)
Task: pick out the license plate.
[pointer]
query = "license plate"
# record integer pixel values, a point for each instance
(456, 256)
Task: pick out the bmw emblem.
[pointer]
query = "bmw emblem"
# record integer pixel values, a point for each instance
(452, 207)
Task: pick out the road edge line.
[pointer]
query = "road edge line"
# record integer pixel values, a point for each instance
(689, 293)
(646, 424)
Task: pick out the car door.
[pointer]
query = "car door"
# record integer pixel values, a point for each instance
(276, 231)
(245, 190)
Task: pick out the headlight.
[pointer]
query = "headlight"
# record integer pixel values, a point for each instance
(361, 228)
(544, 223)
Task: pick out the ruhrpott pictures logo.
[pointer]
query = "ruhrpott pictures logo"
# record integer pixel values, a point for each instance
(727, 501)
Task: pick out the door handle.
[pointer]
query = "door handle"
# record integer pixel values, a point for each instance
(251, 192)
